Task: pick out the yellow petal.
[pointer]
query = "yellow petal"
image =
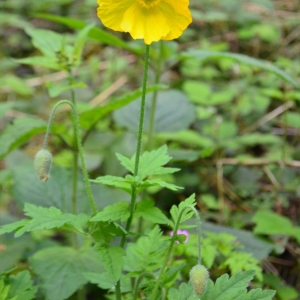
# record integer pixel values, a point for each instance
(178, 16)
(149, 24)
(149, 20)
(111, 12)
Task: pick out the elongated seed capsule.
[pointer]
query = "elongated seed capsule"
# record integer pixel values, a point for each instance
(42, 164)
(199, 277)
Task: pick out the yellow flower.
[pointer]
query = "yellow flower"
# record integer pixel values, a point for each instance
(151, 20)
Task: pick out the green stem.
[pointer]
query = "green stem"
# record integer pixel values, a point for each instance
(118, 291)
(283, 149)
(142, 113)
(154, 99)
(137, 283)
(199, 233)
(75, 180)
(81, 294)
(169, 251)
(75, 161)
(137, 159)
(80, 149)
(162, 270)
(132, 208)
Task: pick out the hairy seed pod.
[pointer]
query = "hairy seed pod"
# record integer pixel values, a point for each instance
(199, 277)
(42, 164)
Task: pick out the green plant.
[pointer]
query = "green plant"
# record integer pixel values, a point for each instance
(117, 239)
(106, 225)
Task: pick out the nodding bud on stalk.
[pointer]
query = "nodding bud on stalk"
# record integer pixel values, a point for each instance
(199, 277)
(42, 164)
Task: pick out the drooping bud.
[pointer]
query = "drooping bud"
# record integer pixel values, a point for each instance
(199, 277)
(42, 164)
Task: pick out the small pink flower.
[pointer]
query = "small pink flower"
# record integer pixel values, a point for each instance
(181, 232)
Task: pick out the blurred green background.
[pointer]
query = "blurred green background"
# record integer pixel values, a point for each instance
(230, 117)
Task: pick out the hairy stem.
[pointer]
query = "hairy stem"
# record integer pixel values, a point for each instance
(169, 251)
(199, 233)
(80, 149)
(142, 113)
(154, 99)
(75, 161)
(137, 159)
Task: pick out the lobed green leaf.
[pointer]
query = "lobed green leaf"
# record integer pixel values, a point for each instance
(151, 163)
(117, 211)
(45, 218)
(105, 232)
(21, 286)
(4, 291)
(240, 261)
(259, 294)
(147, 253)
(105, 282)
(159, 182)
(112, 258)
(8, 228)
(149, 212)
(181, 211)
(227, 288)
(118, 182)
(185, 292)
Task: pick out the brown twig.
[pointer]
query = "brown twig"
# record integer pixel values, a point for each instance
(37, 81)
(110, 90)
(220, 186)
(271, 177)
(259, 9)
(281, 261)
(259, 162)
(267, 265)
(228, 190)
(268, 117)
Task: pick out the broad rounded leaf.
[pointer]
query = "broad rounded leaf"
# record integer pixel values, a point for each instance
(265, 65)
(19, 132)
(61, 269)
(57, 191)
(91, 116)
(268, 222)
(173, 112)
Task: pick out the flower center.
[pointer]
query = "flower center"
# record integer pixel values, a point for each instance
(148, 3)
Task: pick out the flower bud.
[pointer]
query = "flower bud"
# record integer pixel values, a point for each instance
(42, 164)
(199, 277)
